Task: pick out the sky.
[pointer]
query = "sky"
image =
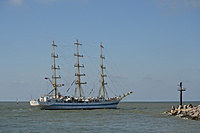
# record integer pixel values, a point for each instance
(154, 44)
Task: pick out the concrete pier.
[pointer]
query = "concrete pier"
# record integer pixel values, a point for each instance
(186, 111)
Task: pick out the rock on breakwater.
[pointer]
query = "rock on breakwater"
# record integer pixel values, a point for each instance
(186, 111)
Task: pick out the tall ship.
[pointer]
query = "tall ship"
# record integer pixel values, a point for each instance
(55, 101)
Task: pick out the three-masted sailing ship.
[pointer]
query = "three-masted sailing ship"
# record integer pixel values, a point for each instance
(58, 102)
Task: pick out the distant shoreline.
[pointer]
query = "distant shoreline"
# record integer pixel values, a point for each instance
(120, 102)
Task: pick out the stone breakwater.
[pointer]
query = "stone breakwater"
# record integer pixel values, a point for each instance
(186, 111)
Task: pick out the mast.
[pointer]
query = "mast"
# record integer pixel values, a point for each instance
(55, 68)
(102, 90)
(78, 74)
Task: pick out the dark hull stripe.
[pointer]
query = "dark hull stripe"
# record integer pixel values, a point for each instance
(105, 104)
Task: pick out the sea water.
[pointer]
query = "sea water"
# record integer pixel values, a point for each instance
(130, 117)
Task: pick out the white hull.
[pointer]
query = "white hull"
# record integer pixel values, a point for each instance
(72, 106)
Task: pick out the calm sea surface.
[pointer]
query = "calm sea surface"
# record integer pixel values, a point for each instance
(133, 117)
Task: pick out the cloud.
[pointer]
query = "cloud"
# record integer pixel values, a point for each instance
(19, 83)
(21, 2)
(172, 6)
(16, 2)
(192, 3)
(147, 78)
(117, 77)
(151, 79)
(47, 1)
(178, 3)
